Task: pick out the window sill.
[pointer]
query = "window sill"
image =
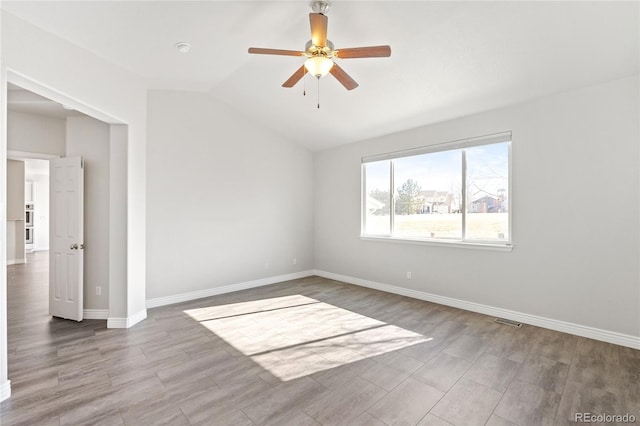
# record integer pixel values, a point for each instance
(441, 243)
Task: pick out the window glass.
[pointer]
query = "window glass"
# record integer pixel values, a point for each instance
(458, 193)
(377, 200)
(487, 192)
(428, 195)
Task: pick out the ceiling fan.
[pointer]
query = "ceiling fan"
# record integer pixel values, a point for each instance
(320, 52)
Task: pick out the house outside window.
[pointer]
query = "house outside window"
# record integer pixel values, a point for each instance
(452, 192)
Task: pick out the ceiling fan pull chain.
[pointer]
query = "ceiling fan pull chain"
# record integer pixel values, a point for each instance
(304, 82)
(318, 92)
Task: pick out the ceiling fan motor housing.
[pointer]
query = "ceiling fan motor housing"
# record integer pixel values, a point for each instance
(311, 50)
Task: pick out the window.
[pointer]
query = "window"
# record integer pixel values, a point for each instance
(453, 192)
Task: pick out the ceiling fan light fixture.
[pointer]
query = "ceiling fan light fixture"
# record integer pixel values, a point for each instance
(318, 66)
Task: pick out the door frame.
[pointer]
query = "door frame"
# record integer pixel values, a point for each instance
(117, 219)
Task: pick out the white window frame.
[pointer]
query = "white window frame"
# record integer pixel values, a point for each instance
(505, 245)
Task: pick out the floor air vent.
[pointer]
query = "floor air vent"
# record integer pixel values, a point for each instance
(508, 322)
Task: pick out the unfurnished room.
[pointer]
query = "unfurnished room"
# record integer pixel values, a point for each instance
(359, 213)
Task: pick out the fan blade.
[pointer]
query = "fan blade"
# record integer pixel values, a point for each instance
(295, 77)
(364, 52)
(318, 29)
(261, 51)
(344, 78)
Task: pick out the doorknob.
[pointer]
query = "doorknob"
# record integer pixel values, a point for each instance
(73, 247)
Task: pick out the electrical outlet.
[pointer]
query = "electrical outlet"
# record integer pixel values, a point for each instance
(408, 275)
(295, 261)
(98, 291)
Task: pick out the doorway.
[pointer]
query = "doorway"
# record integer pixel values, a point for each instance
(117, 99)
(36, 198)
(40, 129)
(28, 250)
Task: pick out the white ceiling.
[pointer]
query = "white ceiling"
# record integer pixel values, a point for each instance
(448, 58)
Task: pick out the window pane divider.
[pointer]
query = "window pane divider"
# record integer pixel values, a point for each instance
(363, 200)
(392, 201)
(463, 197)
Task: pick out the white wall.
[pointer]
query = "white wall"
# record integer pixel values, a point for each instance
(89, 138)
(118, 220)
(35, 133)
(63, 72)
(575, 213)
(225, 196)
(15, 242)
(37, 171)
(15, 190)
(15, 212)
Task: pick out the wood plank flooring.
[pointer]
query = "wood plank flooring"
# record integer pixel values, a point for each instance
(304, 352)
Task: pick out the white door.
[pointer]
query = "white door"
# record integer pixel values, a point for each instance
(67, 237)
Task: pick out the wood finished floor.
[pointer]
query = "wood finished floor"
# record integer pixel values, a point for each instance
(304, 352)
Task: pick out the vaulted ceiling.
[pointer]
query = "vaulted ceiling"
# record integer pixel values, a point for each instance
(448, 58)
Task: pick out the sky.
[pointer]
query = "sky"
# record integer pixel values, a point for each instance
(487, 170)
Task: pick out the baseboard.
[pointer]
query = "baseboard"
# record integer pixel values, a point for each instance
(114, 322)
(5, 390)
(129, 322)
(565, 327)
(136, 318)
(185, 297)
(99, 314)
(16, 261)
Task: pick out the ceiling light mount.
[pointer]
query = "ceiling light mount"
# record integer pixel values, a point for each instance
(320, 6)
(183, 46)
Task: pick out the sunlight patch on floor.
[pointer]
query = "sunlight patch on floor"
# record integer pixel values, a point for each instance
(294, 336)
